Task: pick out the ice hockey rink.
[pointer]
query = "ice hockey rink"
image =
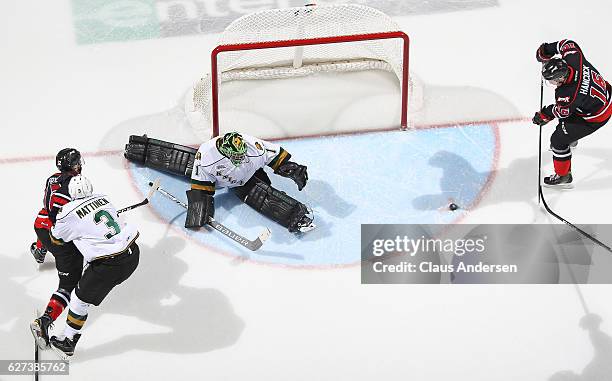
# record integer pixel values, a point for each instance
(200, 307)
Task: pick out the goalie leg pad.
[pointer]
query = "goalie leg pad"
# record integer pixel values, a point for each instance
(243, 191)
(200, 207)
(276, 205)
(158, 154)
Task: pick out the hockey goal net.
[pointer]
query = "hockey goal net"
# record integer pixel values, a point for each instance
(298, 42)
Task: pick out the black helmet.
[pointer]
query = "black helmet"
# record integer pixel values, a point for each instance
(556, 70)
(69, 159)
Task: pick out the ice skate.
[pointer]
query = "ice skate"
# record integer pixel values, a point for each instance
(306, 223)
(40, 330)
(560, 182)
(64, 346)
(38, 253)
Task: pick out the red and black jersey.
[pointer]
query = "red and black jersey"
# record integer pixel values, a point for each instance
(585, 93)
(56, 196)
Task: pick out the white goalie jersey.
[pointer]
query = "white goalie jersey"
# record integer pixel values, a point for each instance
(93, 225)
(212, 170)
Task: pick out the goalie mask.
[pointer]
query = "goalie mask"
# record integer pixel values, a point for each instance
(232, 146)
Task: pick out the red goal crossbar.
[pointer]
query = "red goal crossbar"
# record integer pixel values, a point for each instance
(304, 42)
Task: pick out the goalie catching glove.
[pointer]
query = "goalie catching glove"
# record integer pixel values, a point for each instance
(295, 172)
(200, 208)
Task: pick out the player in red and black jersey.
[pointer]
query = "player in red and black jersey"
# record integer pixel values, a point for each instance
(69, 164)
(582, 103)
(68, 259)
(42, 224)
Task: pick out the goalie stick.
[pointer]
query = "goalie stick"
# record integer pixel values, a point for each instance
(154, 185)
(541, 194)
(251, 245)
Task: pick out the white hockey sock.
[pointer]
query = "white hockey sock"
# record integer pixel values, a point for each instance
(77, 315)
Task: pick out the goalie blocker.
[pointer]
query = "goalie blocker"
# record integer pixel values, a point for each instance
(200, 207)
(230, 153)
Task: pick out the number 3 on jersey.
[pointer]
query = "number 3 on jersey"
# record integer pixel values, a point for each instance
(109, 221)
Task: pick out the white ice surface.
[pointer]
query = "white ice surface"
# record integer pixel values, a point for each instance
(188, 313)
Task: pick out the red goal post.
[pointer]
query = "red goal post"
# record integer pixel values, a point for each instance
(294, 42)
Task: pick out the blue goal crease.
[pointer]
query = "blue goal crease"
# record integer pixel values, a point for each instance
(376, 178)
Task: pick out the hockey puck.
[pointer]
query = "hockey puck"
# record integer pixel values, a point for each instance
(453, 206)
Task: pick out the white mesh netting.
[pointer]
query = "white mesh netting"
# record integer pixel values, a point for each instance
(300, 23)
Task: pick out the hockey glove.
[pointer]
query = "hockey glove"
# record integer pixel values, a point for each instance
(541, 56)
(295, 172)
(200, 207)
(540, 119)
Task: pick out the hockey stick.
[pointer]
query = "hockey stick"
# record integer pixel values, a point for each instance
(36, 357)
(540, 144)
(154, 185)
(541, 194)
(251, 245)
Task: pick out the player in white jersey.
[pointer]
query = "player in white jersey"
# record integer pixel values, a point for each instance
(68, 259)
(234, 161)
(108, 246)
